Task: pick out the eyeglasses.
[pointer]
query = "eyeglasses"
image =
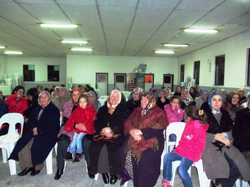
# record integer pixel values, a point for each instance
(43, 97)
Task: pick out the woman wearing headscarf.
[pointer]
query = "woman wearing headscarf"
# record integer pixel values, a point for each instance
(92, 99)
(241, 93)
(104, 155)
(32, 148)
(142, 149)
(168, 93)
(241, 132)
(135, 101)
(186, 99)
(222, 162)
(232, 104)
(202, 98)
(161, 99)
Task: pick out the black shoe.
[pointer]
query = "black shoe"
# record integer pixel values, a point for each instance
(91, 175)
(68, 157)
(34, 172)
(58, 174)
(78, 157)
(105, 178)
(25, 171)
(113, 179)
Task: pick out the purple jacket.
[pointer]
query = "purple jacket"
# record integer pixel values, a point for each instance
(173, 116)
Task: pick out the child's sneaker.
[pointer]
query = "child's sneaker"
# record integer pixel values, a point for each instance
(78, 157)
(166, 183)
(68, 156)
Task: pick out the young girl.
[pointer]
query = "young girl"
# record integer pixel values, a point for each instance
(84, 114)
(174, 112)
(190, 147)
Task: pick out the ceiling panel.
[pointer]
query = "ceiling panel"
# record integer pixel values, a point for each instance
(198, 5)
(158, 4)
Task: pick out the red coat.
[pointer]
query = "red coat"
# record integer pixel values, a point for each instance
(193, 140)
(19, 107)
(82, 115)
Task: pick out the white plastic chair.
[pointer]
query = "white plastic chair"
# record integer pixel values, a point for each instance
(8, 143)
(104, 97)
(102, 101)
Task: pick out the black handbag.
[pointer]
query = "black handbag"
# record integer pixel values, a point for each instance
(220, 145)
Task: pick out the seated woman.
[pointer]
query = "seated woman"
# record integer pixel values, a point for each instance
(32, 148)
(104, 155)
(92, 99)
(223, 164)
(232, 104)
(141, 151)
(178, 91)
(202, 98)
(168, 93)
(161, 99)
(135, 101)
(186, 99)
(241, 132)
(193, 92)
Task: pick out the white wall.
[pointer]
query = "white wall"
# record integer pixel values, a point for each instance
(3, 67)
(235, 50)
(15, 65)
(83, 69)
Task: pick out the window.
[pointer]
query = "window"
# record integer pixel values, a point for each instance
(197, 72)
(182, 73)
(219, 70)
(248, 68)
(53, 73)
(29, 72)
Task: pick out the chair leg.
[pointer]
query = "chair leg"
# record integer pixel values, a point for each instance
(4, 155)
(96, 176)
(12, 163)
(126, 184)
(49, 163)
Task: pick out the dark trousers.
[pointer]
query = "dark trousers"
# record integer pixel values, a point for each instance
(233, 175)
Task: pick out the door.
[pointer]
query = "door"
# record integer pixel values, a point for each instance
(168, 81)
(120, 81)
(149, 81)
(102, 83)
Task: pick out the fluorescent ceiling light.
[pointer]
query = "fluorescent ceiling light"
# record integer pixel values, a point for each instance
(200, 30)
(164, 52)
(175, 45)
(59, 25)
(2, 47)
(13, 52)
(81, 49)
(74, 42)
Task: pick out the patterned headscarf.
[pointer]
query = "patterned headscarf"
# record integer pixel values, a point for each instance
(139, 90)
(151, 103)
(210, 97)
(189, 98)
(47, 94)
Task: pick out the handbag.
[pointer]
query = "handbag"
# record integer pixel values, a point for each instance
(220, 145)
(104, 138)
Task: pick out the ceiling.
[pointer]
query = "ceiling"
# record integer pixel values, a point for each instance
(118, 27)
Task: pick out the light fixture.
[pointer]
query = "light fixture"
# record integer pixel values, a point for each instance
(13, 52)
(74, 42)
(164, 52)
(200, 30)
(81, 49)
(59, 25)
(175, 45)
(2, 47)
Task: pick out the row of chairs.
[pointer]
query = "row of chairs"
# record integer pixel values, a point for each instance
(177, 128)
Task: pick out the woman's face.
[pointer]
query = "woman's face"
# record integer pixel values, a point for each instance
(55, 92)
(135, 95)
(91, 98)
(144, 102)
(75, 96)
(241, 93)
(216, 102)
(82, 90)
(20, 92)
(114, 98)
(44, 99)
(235, 99)
(161, 94)
(178, 89)
(204, 96)
(30, 97)
(175, 104)
(191, 90)
(167, 92)
(184, 94)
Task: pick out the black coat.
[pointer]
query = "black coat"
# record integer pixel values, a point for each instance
(116, 123)
(241, 130)
(131, 104)
(47, 128)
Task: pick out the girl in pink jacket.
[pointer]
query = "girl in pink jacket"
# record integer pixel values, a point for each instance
(190, 147)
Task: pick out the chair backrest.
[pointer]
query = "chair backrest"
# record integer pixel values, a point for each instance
(175, 128)
(12, 119)
(126, 93)
(102, 101)
(104, 97)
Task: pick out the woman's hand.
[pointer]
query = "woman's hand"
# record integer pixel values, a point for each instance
(136, 134)
(81, 127)
(35, 131)
(107, 132)
(222, 138)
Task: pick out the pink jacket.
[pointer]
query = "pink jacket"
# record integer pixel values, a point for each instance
(173, 116)
(193, 140)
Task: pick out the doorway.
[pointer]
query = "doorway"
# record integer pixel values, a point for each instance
(102, 83)
(149, 81)
(168, 81)
(120, 81)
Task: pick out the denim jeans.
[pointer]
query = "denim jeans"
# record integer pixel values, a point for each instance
(76, 142)
(183, 168)
(172, 137)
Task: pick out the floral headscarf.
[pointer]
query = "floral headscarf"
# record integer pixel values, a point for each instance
(47, 94)
(151, 103)
(189, 98)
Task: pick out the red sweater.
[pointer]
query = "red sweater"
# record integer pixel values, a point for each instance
(19, 107)
(193, 140)
(82, 115)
